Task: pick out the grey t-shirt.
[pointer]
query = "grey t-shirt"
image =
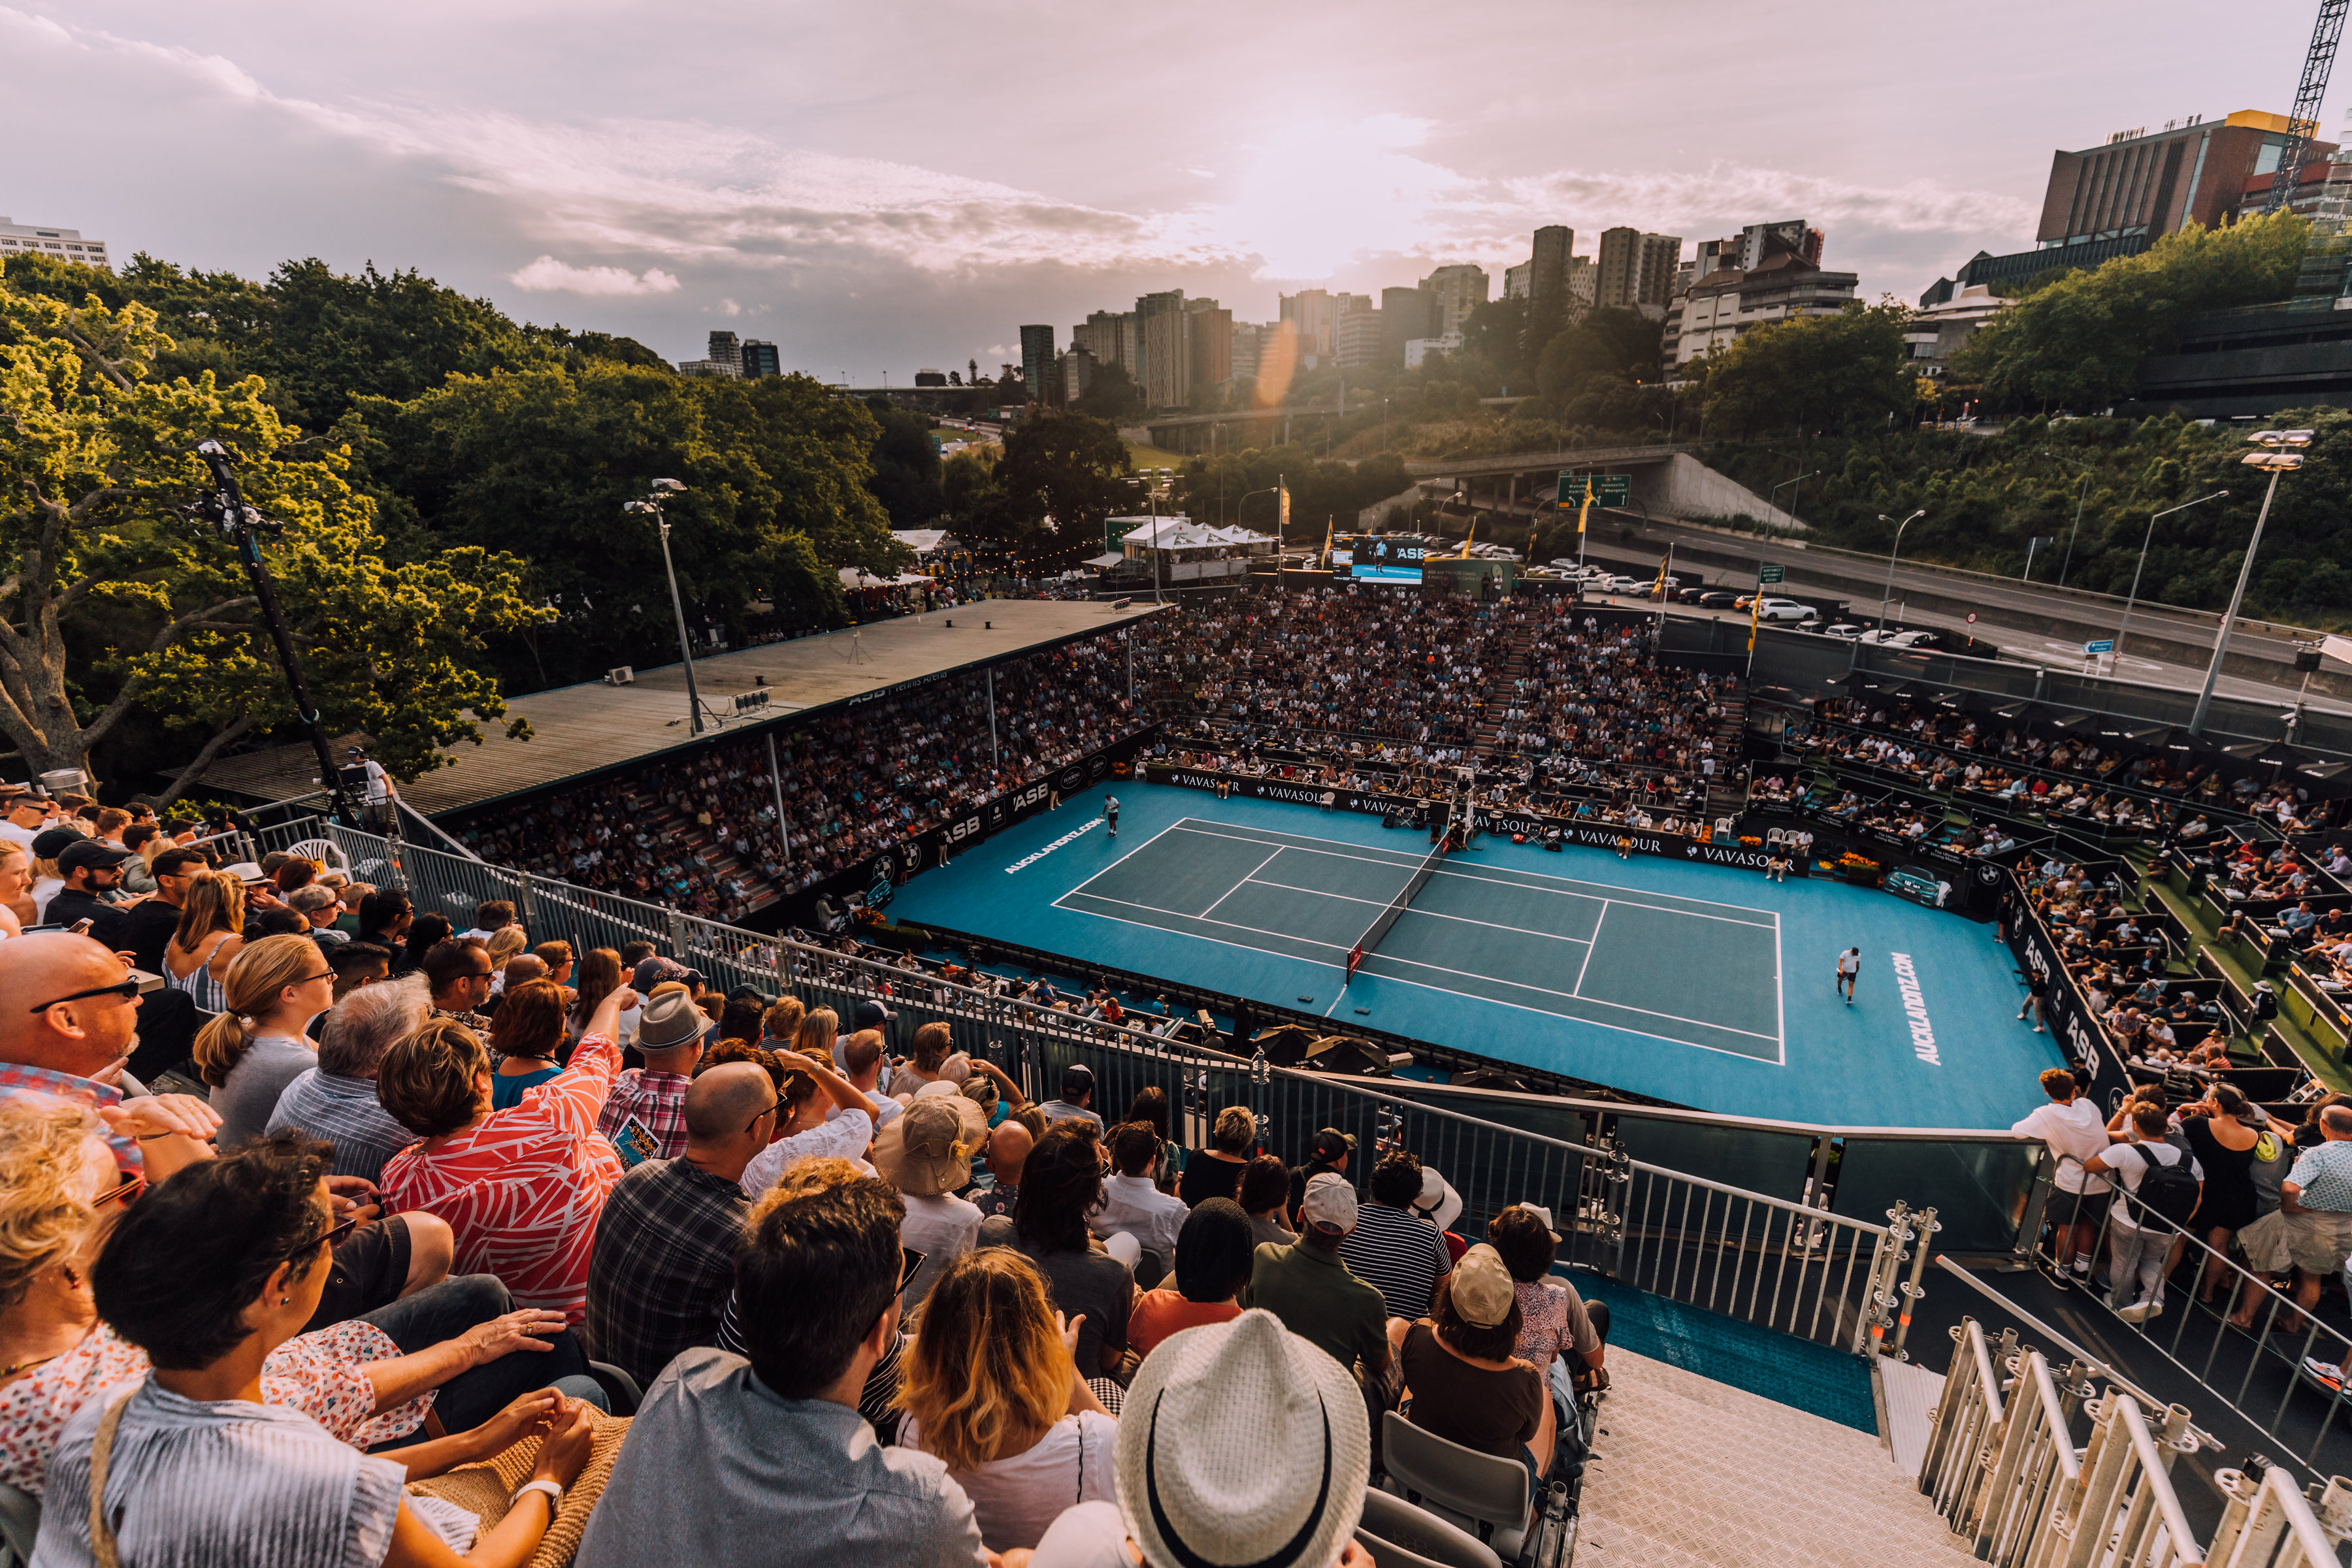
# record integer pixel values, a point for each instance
(717, 1461)
(1091, 1282)
(246, 1101)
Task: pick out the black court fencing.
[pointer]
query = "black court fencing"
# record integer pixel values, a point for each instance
(1804, 1263)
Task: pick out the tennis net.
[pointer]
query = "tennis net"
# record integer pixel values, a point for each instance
(1396, 908)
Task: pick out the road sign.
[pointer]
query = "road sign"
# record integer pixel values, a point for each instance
(1608, 490)
(2104, 644)
(1768, 574)
(1116, 529)
(1972, 617)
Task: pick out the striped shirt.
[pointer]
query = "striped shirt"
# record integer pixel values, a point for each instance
(219, 1484)
(345, 1113)
(1399, 1254)
(524, 1187)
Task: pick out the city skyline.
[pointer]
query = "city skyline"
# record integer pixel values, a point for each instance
(894, 204)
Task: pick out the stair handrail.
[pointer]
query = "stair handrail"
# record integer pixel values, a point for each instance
(2267, 1524)
(1965, 1429)
(2124, 1496)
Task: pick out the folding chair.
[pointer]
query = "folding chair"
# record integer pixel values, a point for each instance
(1399, 1535)
(1489, 1497)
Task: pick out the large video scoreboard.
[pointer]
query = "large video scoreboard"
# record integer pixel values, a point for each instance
(1377, 557)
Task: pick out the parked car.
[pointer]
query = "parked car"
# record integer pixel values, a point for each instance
(1886, 636)
(1690, 595)
(1718, 599)
(1844, 629)
(1565, 562)
(1784, 610)
(1631, 584)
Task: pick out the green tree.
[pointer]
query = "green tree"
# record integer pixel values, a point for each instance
(114, 601)
(905, 459)
(1111, 394)
(1620, 344)
(1061, 476)
(2078, 341)
(1845, 372)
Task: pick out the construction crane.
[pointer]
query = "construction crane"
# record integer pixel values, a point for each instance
(2305, 121)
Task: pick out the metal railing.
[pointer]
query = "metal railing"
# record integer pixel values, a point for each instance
(2266, 1523)
(2006, 1476)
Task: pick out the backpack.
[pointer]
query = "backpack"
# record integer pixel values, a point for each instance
(2166, 1192)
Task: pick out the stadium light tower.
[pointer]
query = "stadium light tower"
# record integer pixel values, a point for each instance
(652, 505)
(2281, 454)
(1887, 595)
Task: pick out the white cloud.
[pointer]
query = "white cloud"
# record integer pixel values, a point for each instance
(549, 276)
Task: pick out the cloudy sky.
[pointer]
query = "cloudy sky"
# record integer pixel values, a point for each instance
(882, 186)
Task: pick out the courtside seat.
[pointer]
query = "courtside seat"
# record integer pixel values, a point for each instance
(1399, 1535)
(1476, 1492)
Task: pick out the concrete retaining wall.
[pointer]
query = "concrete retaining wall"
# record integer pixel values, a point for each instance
(1682, 487)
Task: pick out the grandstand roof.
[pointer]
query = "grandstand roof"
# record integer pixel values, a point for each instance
(585, 728)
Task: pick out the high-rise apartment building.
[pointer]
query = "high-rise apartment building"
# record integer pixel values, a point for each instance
(1362, 336)
(756, 356)
(1405, 314)
(1246, 345)
(1458, 289)
(62, 244)
(1036, 361)
(1164, 329)
(1724, 300)
(1111, 339)
(1548, 276)
(726, 351)
(1635, 271)
(1519, 282)
(1314, 314)
(1210, 329)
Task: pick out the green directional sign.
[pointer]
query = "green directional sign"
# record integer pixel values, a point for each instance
(1768, 574)
(1117, 528)
(1608, 490)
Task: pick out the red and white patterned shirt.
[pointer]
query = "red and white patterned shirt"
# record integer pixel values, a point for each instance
(321, 1374)
(524, 1187)
(656, 1098)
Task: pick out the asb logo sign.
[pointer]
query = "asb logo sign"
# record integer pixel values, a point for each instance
(958, 833)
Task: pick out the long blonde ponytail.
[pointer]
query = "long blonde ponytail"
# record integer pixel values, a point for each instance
(259, 973)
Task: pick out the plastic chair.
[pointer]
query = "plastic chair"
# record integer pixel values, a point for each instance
(1399, 1535)
(620, 1389)
(324, 850)
(1470, 1490)
(20, 1521)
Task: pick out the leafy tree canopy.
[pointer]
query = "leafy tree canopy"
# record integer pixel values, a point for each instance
(1847, 371)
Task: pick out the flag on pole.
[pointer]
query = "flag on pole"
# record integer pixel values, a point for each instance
(1755, 614)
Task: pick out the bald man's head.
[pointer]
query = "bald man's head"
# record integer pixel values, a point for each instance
(1008, 1151)
(722, 1104)
(81, 1036)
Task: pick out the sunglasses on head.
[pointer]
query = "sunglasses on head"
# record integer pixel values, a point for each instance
(332, 1237)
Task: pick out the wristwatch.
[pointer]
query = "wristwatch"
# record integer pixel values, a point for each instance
(554, 1492)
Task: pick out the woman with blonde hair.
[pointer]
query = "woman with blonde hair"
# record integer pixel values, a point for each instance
(211, 931)
(818, 1027)
(257, 1045)
(990, 1388)
(525, 1033)
(505, 942)
(15, 887)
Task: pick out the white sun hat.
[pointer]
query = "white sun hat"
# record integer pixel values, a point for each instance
(1240, 1442)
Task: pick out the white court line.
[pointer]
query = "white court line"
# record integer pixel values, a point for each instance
(1129, 856)
(1590, 1001)
(1780, 1060)
(1780, 988)
(1317, 892)
(1590, 948)
(1298, 841)
(1497, 925)
(1230, 925)
(1512, 877)
(1245, 882)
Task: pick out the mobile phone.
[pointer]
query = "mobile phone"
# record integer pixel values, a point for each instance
(81, 927)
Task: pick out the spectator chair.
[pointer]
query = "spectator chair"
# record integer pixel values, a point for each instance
(1399, 1535)
(621, 1390)
(1475, 1492)
(20, 1521)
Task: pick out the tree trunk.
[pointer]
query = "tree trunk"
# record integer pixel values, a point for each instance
(239, 726)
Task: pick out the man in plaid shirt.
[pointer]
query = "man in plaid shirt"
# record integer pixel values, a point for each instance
(664, 1256)
(669, 1035)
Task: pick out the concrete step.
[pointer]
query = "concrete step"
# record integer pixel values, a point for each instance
(1677, 1479)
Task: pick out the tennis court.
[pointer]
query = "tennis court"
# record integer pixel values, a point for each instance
(1690, 971)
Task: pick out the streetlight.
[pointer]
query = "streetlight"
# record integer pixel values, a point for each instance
(1888, 595)
(2146, 539)
(2277, 456)
(1771, 498)
(652, 505)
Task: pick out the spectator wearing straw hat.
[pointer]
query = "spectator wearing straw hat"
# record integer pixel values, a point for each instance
(926, 1154)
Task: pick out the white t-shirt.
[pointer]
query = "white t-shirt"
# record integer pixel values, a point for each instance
(23, 836)
(846, 1137)
(1017, 1499)
(943, 1228)
(2075, 1129)
(1849, 963)
(1091, 1535)
(2131, 1171)
(44, 890)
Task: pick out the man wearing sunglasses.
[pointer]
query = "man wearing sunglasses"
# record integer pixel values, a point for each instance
(68, 1024)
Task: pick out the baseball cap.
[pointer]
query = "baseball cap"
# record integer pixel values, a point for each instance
(91, 853)
(1077, 1079)
(1482, 1287)
(1330, 1145)
(870, 1015)
(1329, 1202)
(1241, 1442)
(51, 843)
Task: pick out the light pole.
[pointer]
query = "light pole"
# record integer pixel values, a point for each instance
(1772, 500)
(2146, 539)
(2081, 495)
(652, 505)
(1886, 595)
(2279, 455)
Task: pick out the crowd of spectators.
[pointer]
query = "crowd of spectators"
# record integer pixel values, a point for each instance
(852, 783)
(880, 1302)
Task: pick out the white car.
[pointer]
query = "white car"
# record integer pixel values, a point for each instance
(1566, 563)
(1843, 629)
(1882, 638)
(1632, 584)
(1785, 610)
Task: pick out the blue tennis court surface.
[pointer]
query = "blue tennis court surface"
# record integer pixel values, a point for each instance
(1699, 984)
